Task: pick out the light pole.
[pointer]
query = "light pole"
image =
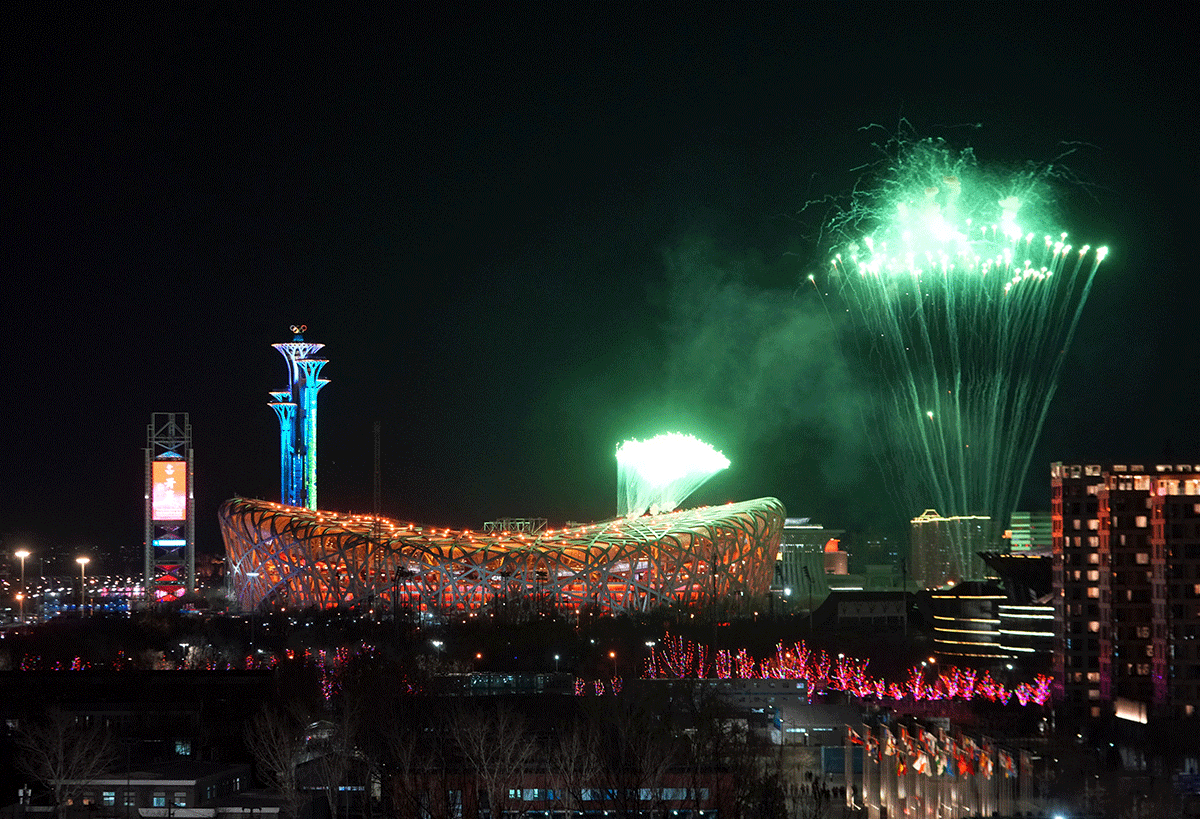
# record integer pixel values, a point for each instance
(252, 576)
(82, 561)
(22, 554)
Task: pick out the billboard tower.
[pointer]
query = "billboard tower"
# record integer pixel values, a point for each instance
(170, 545)
(297, 411)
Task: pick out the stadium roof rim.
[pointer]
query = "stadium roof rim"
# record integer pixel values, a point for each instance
(637, 529)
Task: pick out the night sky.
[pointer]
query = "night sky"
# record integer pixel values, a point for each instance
(524, 238)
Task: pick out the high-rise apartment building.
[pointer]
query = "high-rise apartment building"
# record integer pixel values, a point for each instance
(945, 550)
(1126, 575)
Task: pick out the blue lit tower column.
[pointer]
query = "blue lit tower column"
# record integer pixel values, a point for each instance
(289, 473)
(169, 557)
(297, 411)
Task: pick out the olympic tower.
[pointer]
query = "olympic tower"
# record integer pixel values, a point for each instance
(297, 411)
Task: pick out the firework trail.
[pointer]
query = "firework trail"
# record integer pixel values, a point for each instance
(964, 300)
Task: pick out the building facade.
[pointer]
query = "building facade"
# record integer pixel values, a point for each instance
(1031, 532)
(1126, 574)
(804, 561)
(945, 550)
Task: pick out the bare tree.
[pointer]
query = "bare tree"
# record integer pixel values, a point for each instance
(328, 754)
(421, 758)
(721, 757)
(498, 749)
(635, 750)
(574, 766)
(274, 738)
(63, 754)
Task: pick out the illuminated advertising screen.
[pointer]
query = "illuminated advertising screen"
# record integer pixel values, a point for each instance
(169, 497)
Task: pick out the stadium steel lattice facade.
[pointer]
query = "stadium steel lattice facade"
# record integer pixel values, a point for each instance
(304, 558)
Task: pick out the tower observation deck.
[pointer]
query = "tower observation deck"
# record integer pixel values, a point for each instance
(297, 411)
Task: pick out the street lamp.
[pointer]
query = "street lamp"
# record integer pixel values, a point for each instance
(82, 561)
(252, 576)
(22, 554)
(612, 655)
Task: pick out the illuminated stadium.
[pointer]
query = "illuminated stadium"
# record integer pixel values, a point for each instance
(302, 558)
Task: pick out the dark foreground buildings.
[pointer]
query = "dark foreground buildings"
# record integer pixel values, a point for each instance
(1127, 588)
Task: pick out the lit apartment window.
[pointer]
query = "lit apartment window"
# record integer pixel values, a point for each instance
(1093, 693)
(1093, 676)
(1094, 575)
(1140, 521)
(108, 798)
(1093, 592)
(1143, 558)
(1094, 524)
(159, 800)
(1094, 559)
(1143, 632)
(1075, 523)
(1094, 626)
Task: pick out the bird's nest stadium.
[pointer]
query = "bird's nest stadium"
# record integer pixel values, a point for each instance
(301, 558)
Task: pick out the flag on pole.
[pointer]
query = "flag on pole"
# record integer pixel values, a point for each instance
(964, 757)
(921, 764)
(872, 749)
(1007, 765)
(889, 744)
(944, 768)
(985, 761)
(930, 742)
(945, 754)
(853, 736)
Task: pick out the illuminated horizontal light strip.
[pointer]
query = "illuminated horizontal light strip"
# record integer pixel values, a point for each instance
(1028, 633)
(969, 643)
(966, 630)
(970, 654)
(1005, 615)
(1026, 608)
(1026, 649)
(969, 596)
(966, 619)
